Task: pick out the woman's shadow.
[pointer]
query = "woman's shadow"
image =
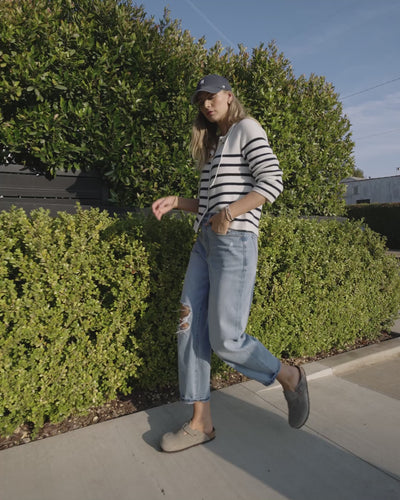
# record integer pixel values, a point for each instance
(255, 438)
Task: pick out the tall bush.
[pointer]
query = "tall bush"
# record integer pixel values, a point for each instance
(305, 125)
(96, 84)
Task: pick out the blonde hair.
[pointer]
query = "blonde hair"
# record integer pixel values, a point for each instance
(205, 134)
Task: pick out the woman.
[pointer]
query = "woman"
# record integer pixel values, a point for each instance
(239, 173)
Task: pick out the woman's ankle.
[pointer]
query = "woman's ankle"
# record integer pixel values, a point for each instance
(206, 427)
(201, 420)
(288, 377)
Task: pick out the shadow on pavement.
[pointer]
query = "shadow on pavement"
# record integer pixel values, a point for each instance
(255, 448)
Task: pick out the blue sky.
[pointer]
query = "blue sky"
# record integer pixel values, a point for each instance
(355, 44)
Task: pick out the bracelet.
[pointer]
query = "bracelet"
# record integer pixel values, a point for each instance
(228, 215)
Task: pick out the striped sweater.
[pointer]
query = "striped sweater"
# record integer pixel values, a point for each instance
(243, 162)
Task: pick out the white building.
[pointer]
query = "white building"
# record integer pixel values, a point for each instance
(376, 190)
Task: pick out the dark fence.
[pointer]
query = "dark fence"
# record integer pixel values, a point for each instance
(384, 218)
(25, 188)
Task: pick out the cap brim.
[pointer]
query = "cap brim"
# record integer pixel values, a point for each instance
(210, 90)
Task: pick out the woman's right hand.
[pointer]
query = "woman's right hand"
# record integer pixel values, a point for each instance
(164, 205)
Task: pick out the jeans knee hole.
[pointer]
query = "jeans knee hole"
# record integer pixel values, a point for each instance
(184, 323)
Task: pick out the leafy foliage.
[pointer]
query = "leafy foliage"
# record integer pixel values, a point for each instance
(305, 126)
(70, 296)
(89, 303)
(167, 244)
(321, 285)
(96, 84)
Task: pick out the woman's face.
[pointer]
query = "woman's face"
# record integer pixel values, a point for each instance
(215, 106)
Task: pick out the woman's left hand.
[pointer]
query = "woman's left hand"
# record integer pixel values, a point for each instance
(219, 223)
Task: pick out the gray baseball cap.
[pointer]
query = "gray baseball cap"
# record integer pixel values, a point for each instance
(211, 84)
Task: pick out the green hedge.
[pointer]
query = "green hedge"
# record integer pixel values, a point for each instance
(168, 244)
(70, 295)
(321, 285)
(89, 303)
(384, 218)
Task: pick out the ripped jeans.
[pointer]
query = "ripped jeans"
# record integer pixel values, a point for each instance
(215, 306)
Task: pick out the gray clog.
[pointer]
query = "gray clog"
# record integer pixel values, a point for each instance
(298, 402)
(184, 438)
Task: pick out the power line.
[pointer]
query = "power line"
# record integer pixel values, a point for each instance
(210, 23)
(371, 88)
(387, 132)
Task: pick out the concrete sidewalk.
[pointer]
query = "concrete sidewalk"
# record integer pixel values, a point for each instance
(348, 450)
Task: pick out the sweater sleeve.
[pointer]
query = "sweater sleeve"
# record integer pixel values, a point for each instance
(263, 164)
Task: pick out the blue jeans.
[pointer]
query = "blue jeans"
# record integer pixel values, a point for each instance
(215, 306)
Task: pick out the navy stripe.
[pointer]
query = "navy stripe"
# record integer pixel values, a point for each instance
(251, 142)
(263, 146)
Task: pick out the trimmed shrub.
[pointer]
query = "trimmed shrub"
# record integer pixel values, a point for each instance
(70, 296)
(168, 244)
(321, 285)
(89, 303)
